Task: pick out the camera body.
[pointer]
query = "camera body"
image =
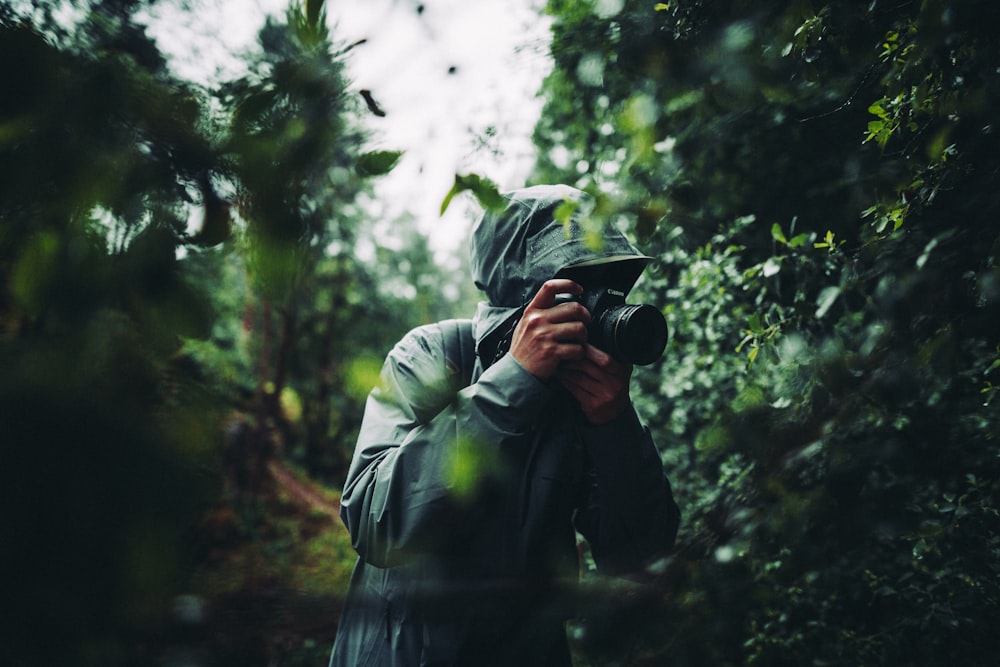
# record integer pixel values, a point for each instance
(632, 334)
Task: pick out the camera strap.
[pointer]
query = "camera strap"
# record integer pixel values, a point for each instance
(497, 342)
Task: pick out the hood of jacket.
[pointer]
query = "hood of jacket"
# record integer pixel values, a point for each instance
(514, 250)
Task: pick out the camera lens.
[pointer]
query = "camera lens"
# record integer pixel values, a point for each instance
(635, 334)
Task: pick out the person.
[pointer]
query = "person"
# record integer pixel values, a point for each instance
(464, 505)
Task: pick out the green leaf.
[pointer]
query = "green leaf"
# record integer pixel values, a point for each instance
(314, 11)
(877, 110)
(362, 375)
(925, 255)
(825, 300)
(777, 234)
(874, 129)
(564, 212)
(827, 241)
(378, 163)
(485, 191)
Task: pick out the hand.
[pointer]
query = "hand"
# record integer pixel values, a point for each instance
(598, 383)
(549, 334)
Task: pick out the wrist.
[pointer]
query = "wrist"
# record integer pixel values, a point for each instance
(625, 426)
(607, 413)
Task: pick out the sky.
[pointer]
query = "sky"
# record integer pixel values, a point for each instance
(457, 79)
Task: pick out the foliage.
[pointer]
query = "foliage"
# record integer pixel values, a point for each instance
(814, 181)
(108, 433)
(485, 191)
(290, 147)
(272, 570)
(295, 157)
(190, 294)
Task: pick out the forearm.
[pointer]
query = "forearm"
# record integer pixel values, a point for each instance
(631, 517)
(401, 492)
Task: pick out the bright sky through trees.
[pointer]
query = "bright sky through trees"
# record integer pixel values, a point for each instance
(457, 81)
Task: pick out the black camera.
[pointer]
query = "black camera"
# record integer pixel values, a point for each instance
(632, 334)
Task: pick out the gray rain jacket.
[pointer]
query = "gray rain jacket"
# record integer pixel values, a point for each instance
(464, 506)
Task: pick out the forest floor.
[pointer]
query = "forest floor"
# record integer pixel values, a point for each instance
(305, 492)
(274, 572)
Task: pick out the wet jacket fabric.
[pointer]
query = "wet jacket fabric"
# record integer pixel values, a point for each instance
(464, 505)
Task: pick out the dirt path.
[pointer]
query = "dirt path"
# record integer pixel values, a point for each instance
(304, 492)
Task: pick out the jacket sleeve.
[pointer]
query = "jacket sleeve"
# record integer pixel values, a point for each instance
(402, 489)
(629, 516)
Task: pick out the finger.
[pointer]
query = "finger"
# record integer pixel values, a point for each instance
(568, 341)
(546, 295)
(586, 383)
(593, 366)
(599, 356)
(606, 362)
(579, 384)
(556, 323)
(576, 386)
(571, 311)
(570, 330)
(568, 352)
